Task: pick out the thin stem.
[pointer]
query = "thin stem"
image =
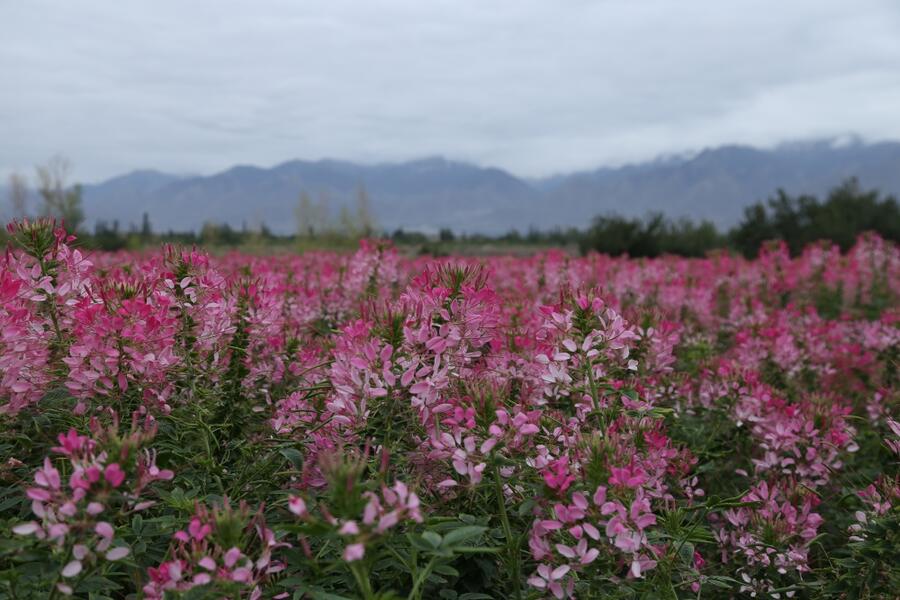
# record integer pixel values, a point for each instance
(591, 380)
(511, 546)
(362, 580)
(414, 592)
(51, 308)
(53, 590)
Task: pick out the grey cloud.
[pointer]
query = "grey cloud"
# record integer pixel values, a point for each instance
(535, 87)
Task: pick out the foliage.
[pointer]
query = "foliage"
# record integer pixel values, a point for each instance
(60, 200)
(802, 220)
(650, 237)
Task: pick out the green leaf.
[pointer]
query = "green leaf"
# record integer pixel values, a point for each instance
(721, 581)
(432, 538)
(686, 553)
(462, 534)
(137, 524)
(98, 584)
(294, 456)
(526, 507)
(446, 570)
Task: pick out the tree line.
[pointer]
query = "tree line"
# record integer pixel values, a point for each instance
(845, 212)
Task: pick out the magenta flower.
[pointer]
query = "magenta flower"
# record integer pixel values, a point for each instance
(114, 475)
(557, 476)
(198, 530)
(630, 476)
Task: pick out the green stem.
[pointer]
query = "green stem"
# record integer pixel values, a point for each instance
(591, 380)
(362, 579)
(12, 590)
(420, 579)
(51, 308)
(511, 545)
(53, 590)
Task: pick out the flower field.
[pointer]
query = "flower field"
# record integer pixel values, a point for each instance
(368, 425)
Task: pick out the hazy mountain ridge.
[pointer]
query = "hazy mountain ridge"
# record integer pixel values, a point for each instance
(435, 192)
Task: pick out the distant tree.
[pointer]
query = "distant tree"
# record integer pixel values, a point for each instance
(649, 237)
(209, 233)
(305, 217)
(61, 200)
(107, 237)
(446, 235)
(18, 195)
(347, 225)
(228, 236)
(146, 228)
(611, 234)
(364, 217)
(313, 218)
(753, 230)
(322, 214)
(850, 211)
(847, 212)
(408, 237)
(514, 237)
(687, 238)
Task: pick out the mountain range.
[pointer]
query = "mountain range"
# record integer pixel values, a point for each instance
(431, 193)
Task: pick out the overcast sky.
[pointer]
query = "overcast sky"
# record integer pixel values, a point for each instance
(534, 87)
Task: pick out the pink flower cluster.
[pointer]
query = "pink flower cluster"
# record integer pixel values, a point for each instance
(774, 532)
(108, 478)
(230, 550)
(393, 506)
(553, 384)
(138, 332)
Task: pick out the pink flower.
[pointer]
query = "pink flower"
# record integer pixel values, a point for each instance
(580, 552)
(26, 528)
(71, 569)
(641, 564)
(114, 475)
(349, 528)
(104, 529)
(630, 476)
(557, 476)
(354, 552)
(117, 553)
(198, 530)
(71, 443)
(550, 579)
(297, 506)
(47, 477)
(232, 556)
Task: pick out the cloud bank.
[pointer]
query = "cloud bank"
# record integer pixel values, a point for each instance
(534, 87)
